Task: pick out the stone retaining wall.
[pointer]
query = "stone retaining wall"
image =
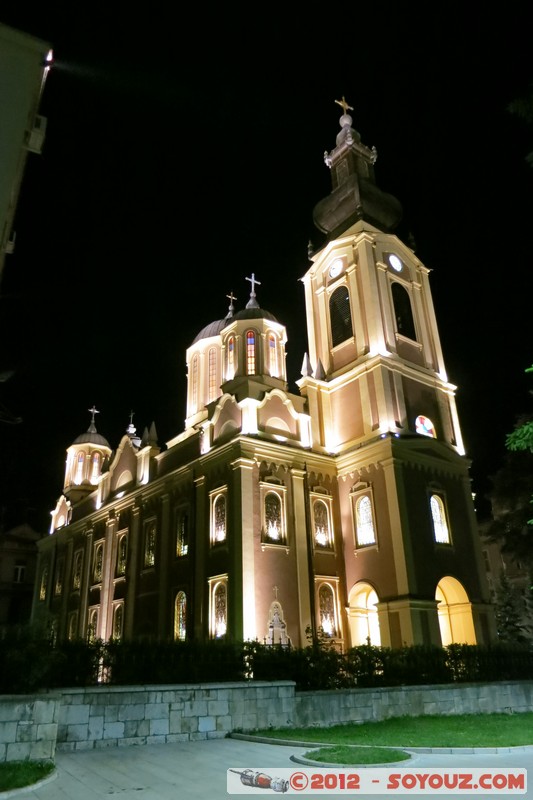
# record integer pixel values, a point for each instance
(33, 727)
(28, 727)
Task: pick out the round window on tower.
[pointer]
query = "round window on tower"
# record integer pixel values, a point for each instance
(395, 262)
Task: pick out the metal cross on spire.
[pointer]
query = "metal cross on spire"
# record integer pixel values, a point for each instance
(344, 105)
(93, 411)
(253, 281)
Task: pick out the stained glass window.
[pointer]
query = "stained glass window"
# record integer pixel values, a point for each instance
(273, 517)
(219, 518)
(440, 526)
(365, 533)
(180, 617)
(326, 602)
(250, 352)
(220, 610)
(321, 524)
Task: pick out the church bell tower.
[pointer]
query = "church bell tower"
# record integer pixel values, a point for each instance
(380, 402)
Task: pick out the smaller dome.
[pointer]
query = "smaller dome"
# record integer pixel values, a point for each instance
(91, 437)
(213, 329)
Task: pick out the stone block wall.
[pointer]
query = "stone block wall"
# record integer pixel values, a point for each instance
(28, 727)
(34, 727)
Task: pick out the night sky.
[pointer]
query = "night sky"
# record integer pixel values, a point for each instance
(185, 152)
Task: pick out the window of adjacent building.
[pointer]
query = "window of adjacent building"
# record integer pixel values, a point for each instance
(212, 373)
(340, 316)
(365, 533)
(219, 608)
(76, 572)
(98, 562)
(218, 518)
(180, 617)
(327, 610)
(250, 352)
(182, 534)
(438, 516)
(272, 355)
(322, 528)
(231, 358)
(122, 554)
(19, 572)
(150, 538)
(43, 588)
(118, 621)
(405, 324)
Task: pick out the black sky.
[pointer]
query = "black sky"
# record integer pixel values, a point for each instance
(185, 151)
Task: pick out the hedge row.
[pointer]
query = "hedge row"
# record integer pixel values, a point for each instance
(29, 663)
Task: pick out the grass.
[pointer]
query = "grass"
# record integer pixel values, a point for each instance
(344, 754)
(462, 730)
(17, 774)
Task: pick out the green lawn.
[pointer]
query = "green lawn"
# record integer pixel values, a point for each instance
(345, 754)
(464, 730)
(16, 774)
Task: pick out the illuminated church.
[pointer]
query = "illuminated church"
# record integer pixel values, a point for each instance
(345, 509)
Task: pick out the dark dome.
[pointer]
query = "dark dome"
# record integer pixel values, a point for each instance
(255, 313)
(213, 329)
(91, 437)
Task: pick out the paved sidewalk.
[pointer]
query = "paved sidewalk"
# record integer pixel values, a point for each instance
(194, 770)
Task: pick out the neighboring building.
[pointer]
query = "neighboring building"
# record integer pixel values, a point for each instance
(18, 562)
(24, 65)
(346, 507)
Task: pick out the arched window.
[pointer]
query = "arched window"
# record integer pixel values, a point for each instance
(231, 358)
(195, 379)
(118, 621)
(220, 610)
(326, 605)
(273, 517)
(96, 460)
(403, 312)
(79, 467)
(272, 355)
(322, 528)
(212, 370)
(340, 316)
(365, 533)
(180, 617)
(92, 627)
(250, 352)
(150, 544)
(438, 515)
(72, 630)
(58, 588)
(98, 562)
(44, 583)
(122, 553)
(76, 572)
(219, 519)
(182, 534)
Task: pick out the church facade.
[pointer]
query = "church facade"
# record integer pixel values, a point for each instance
(344, 510)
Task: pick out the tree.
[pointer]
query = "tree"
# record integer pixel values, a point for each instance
(509, 619)
(511, 496)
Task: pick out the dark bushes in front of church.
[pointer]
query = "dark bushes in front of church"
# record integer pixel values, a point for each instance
(30, 662)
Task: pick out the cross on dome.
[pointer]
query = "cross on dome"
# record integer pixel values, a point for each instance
(252, 303)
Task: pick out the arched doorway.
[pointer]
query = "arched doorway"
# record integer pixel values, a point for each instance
(363, 615)
(455, 613)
